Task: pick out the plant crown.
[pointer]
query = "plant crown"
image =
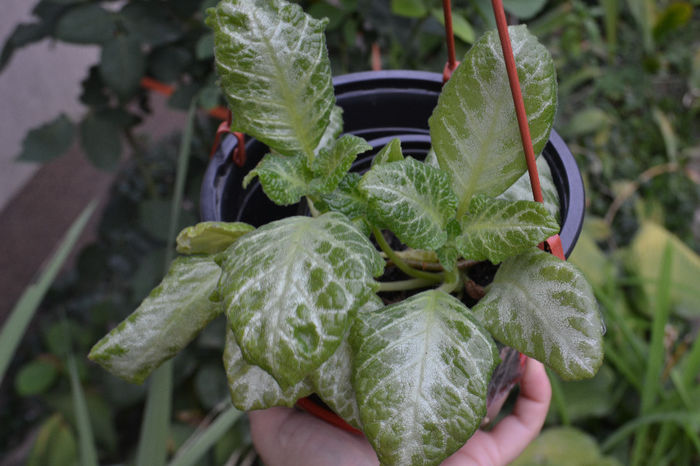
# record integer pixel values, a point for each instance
(301, 295)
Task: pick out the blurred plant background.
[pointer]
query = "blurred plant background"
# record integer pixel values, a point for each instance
(629, 90)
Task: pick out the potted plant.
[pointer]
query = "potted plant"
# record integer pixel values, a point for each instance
(301, 293)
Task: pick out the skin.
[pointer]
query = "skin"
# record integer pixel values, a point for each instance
(289, 437)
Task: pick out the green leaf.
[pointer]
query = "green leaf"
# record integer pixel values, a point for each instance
(86, 24)
(496, 229)
(101, 140)
(335, 127)
(275, 72)
(346, 199)
(422, 368)
(474, 129)
(122, 65)
(54, 445)
(284, 179)
(23, 34)
(412, 199)
(544, 307)
(210, 237)
(333, 380)
(409, 8)
(335, 15)
(389, 153)
(289, 289)
(165, 322)
(253, 388)
(48, 141)
(564, 445)
(448, 254)
(460, 25)
(151, 23)
(524, 9)
(205, 47)
(521, 190)
(35, 377)
(330, 165)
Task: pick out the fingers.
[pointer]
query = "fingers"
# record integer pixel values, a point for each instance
(285, 436)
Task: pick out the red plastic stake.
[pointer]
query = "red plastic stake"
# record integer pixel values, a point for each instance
(452, 62)
(330, 417)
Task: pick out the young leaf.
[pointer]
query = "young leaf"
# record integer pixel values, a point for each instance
(165, 322)
(474, 129)
(275, 72)
(253, 388)
(521, 190)
(210, 237)
(335, 127)
(496, 229)
(48, 141)
(422, 368)
(389, 153)
(412, 199)
(346, 198)
(289, 288)
(332, 164)
(543, 307)
(285, 179)
(448, 254)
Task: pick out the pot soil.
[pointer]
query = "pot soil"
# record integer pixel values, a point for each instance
(380, 106)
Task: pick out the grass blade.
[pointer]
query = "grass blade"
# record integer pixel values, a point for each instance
(679, 417)
(15, 326)
(86, 440)
(202, 441)
(155, 427)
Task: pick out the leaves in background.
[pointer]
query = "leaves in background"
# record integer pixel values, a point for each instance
(524, 9)
(122, 65)
(86, 24)
(35, 377)
(101, 140)
(564, 445)
(54, 445)
(543, 307)
(150, 22)
(48, 141)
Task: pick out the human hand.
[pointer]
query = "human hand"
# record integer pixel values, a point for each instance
(289, 437)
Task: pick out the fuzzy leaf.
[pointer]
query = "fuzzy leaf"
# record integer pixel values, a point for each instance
(289, 289)
(210, 237)
(332, 164)
(521, 190)
(496, 229)
(412, 199)
(389, 153)
(285, 179)
(335, 127)
(346, 198)
(474, 129)
(165, 322)
(545, 308)
(275, 72)
(422, 368)
(253, 388)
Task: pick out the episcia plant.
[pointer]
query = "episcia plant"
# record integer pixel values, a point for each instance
(302, 295)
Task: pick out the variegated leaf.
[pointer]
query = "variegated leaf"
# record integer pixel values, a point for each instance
(474, 130)
(346, 198)
(289, 288)
(496, 229)
(521, 190)
(411, 199)
(285, 179)
(422, 368)
(389, 153)
(335, 127)
(545, 308)
(210, 237)
(333, 380)
(253, 388)
(275, 72)
(165, 322)
(332, 164)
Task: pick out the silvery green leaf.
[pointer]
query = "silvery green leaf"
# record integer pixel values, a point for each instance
(165, 322)
(253, 388)
(411, 199)
(210, 237)
(335, 127)
(330, 165)
(289, 288)
(545, 308)
(333, 380)
(284, 178)
(521, 190)
(496, 229)
(431, 159)
(346, 198)
(448, 254)
(275, 72)
(422, 368)
(389, 153)
(474, 130)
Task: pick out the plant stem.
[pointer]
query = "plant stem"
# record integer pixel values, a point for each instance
(404, 285)
(452, 281)
(405, 268)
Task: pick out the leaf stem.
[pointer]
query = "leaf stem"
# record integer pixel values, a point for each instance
(405, 268)
(452, 281)
(405, 285)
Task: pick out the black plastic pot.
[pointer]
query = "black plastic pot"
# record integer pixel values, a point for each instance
(379, 106)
